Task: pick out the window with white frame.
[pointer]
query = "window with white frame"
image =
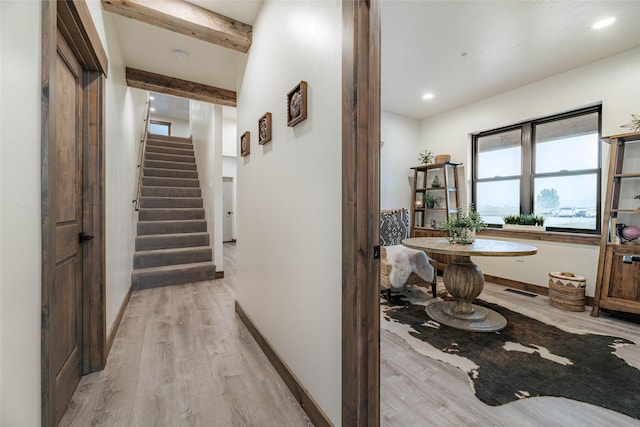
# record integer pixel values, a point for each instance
(548, 167)
(158, 127)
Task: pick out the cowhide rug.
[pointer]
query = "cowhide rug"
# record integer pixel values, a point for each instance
(526, 359)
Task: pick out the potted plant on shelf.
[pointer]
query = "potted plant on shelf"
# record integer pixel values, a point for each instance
(431, 201)
(425, 157)
(522, 222)
(462, 228)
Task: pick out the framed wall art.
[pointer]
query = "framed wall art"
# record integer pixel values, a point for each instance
(297, 104)
(264, 129)
(245, 144)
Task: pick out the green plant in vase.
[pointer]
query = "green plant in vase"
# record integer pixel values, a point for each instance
(425, 157)
(431, 202)
(463, 228)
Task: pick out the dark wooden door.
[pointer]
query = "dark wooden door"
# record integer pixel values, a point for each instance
(65, 296)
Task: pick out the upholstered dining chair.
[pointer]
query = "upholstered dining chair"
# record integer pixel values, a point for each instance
(394, 228)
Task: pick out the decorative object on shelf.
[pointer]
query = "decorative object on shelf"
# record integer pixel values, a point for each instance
(442, 158)
(264, 129)
(297, 104)
(630, 232)
(436, 182)
(245, 144)
(463, 227)
(431, 201)
(522, 222)
(634, 126)
(425, 157)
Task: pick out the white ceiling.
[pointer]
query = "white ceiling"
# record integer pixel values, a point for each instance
(462, 51)
(174, 107)
(170, 106)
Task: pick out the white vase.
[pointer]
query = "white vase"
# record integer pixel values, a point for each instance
(463, 236)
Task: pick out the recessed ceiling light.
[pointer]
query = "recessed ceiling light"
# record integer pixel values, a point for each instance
(180, 54)
(151, 98)
(152, 109)
(603, 23)
(427, 96)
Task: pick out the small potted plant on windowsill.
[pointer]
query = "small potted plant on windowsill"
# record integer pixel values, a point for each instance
(522, 222)
(431, 202)
(463, 228)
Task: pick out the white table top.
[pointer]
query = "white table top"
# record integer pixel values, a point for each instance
(481, 247)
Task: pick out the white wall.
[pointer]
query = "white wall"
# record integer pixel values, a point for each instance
(289, 194)
(20, 228)
(229, 137)
(206, 126)
(401, 137)
(125, 109)
(178, 127)
(614, 81)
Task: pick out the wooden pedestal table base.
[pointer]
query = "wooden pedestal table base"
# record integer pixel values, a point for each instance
(464, 281)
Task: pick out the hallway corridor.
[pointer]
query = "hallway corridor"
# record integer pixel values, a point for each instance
(183, 358)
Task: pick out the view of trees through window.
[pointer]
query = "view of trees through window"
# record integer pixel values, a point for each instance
(548, 167)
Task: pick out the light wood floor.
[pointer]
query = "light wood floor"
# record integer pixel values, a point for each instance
(183, 358)
(420, 391)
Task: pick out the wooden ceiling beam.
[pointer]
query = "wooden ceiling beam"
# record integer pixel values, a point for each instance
(177, 87)
(186, 18)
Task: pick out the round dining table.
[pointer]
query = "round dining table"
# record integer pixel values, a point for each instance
(464, 280)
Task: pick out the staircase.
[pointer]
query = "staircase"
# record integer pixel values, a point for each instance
(172, 246)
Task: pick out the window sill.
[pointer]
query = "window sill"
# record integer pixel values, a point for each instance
(547, 236)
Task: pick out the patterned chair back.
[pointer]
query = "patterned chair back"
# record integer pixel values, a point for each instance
(394, 226)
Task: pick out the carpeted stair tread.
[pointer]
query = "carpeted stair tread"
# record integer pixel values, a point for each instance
(167, 214)
(146, 228)
(169, 157)
(170, 150)
(163, 181)
(160, 257)
(168, 241)
(169, 144)
(163, 164)
(171, 202)
(154, 277)
(169, 173)
(157, 191)
(176, 139)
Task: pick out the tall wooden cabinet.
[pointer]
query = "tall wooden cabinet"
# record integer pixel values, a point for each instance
(618, 280)
(438, 182)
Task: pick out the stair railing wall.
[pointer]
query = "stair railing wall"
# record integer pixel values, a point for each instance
(143, 143)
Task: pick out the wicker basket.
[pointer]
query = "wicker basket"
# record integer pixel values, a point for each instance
(566, 291)
(442, 158)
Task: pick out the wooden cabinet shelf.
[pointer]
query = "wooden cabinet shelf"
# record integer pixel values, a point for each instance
(425, 220)
(618, 279)
(627, 175)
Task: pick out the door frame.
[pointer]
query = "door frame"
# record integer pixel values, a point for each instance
(360, 213)
(73, 19)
